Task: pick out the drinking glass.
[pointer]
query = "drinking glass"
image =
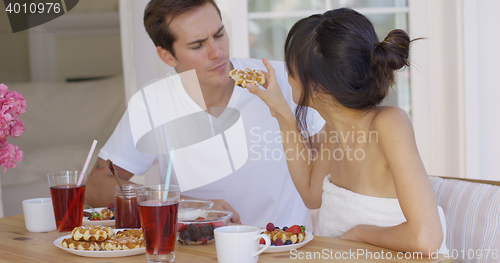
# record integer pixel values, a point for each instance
(158, 209)
(67, 199)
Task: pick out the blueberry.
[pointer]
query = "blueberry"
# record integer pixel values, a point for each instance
(288, 242)
(285, 228)
(276, 227)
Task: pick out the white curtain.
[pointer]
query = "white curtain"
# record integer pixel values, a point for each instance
(141, 63)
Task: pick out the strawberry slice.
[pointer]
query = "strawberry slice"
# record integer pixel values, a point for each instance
(218, 224)
(294, 229)
(262, 241)
(180, 227)
(95, 217)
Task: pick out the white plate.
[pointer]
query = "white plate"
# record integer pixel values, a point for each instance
(87, 222)
(285, 248)
(100, 254)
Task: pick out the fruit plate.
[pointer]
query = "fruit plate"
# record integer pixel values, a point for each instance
(100, 254)
(285, 248)
(87, 222)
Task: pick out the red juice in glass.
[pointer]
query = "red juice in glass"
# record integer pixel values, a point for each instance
(67, 201)
(159, 221)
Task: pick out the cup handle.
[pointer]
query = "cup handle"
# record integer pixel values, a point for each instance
(268, 243)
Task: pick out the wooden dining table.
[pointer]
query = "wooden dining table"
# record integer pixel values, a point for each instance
(19, 245)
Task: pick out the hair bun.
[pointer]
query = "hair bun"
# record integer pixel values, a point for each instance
(392, 53)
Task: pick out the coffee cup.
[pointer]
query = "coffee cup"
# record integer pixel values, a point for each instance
(239, 244)
(39, 215)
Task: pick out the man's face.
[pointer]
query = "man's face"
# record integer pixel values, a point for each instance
(202, 44)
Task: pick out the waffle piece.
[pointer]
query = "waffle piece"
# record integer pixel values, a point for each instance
(80, 245)
(135, 233)
(107, 214)
(242, 77)
(91, 233)
(122, 243)
(284, 236)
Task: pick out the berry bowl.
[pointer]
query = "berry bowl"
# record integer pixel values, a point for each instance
(196, 227)
(195, 204)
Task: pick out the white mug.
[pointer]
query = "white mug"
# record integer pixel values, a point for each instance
(39, 215)
(239, 244)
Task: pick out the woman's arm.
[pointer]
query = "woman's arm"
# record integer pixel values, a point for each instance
(422, 232)
(307, 172)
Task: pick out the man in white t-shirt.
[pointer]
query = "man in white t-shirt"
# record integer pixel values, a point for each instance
(190, 35)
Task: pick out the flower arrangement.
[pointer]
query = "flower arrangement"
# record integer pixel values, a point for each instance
(12, 105)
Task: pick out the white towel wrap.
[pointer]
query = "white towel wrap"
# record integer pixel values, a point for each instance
(342, 209)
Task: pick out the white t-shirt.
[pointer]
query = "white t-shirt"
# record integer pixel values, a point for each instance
(261, 191)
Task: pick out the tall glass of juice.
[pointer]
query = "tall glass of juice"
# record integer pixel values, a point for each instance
(158, 208)
(67, 199)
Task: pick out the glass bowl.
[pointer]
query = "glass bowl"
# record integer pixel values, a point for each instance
(195, 204)
(196, 227)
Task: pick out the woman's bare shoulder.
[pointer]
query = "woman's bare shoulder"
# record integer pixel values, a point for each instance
(391, 122)
(388, 116)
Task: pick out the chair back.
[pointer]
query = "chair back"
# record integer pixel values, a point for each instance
(472, 212)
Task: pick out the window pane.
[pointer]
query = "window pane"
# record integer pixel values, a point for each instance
(267, 37)
(367, 3)
(296, 5)
(384, 23)
(284, 5)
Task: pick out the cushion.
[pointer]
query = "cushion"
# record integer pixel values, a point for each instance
(472, 212)
(37, 163)
(62, 120)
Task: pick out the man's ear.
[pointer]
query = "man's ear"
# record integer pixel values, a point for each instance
(166, 56)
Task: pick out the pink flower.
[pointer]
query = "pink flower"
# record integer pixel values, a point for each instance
(8, 154)
(17, 129)
(3, 90)
(18, 102)
(12, 105)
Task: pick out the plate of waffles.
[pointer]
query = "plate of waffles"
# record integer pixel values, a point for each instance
(98, 247)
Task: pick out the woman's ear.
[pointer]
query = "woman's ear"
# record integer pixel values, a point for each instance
(166, 56)
(315, 91)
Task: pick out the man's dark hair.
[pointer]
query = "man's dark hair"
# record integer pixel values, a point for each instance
(159, 14)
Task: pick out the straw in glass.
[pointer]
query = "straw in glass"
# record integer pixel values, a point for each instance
(86, 165)
(169, 173)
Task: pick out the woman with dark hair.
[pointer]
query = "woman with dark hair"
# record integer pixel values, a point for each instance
(368, 179)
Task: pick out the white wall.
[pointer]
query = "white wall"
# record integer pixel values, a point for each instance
(437, 85)
(482, 88)
(455, 86)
